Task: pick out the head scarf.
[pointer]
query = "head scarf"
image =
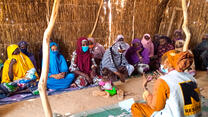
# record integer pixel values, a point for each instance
(168, 40)
(175, 38)
(20, 68)
(91, 39)
(30, 55)
(24, 50)
(148, 44)
(119, 45)
(97, 50)
(57, 62)
(137, 41)
(112, 58)
(118, 38)
(180, 61)
(10, 50)
(178, 31)
(83, 59)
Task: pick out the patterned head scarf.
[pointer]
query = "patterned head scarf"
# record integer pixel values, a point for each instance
(180, 61)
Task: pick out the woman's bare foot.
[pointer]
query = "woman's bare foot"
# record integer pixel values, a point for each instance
(100, 93)
(73, 85)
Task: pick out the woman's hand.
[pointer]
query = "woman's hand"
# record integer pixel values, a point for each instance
(93, 73)
(146, 80)
(11, 76)
(122, 77)
(62, 75)
(89, 80)
(141, 59)
(58, 76)
(13, 61)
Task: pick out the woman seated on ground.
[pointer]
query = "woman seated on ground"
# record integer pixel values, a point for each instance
(83, 64)
(201, 54)
(18, 71)
(164, 47)
(121, 38)
(97, 50)
(24, 49)
(138, 56)
(175, 94)
(115, 61)
(148, 44)
(58, 76)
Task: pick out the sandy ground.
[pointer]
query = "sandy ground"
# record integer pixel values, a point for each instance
(82, 100)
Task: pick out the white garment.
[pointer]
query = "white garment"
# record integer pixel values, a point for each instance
(175, 104)
(142, 67)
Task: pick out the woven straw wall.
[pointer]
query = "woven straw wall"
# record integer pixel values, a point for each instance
(26, 20)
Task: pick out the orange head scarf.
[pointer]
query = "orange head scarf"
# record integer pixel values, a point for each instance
(180, 61)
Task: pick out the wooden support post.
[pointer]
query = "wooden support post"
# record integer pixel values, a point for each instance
(96, 21)
(44, 75)
(133, 29)
(185, 26)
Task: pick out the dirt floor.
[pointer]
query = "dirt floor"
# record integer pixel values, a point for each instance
(81, 100)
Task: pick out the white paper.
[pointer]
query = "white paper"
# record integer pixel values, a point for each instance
(126, 104)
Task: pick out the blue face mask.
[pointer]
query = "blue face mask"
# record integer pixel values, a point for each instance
(163, 69)
(85, 48)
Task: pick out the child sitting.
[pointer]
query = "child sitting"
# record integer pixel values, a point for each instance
(107, 87)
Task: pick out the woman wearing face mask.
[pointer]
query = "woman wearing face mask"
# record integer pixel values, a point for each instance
(58, 76)
(115, 61)
(83, 64)
(24, 49)
(96, 49)
(175, 94)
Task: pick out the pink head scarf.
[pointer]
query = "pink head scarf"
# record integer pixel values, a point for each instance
(148, 44)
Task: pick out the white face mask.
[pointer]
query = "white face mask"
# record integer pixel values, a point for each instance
(163, 69)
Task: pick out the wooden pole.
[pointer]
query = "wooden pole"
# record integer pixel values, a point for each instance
(44, 74)
(133, 28)
(96, 21)
(185, 26)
